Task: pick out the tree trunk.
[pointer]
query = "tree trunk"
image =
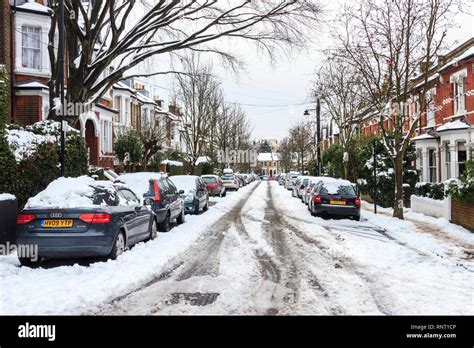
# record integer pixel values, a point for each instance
(398, 202)
(346, 170)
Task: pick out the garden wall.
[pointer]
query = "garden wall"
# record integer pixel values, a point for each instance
(462, 213)
(431, 207)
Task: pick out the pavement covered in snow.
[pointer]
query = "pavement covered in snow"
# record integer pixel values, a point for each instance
(259, 251)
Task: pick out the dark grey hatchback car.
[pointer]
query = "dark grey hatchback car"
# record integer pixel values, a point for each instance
(336, 198)
(159, 192)
(105, 221)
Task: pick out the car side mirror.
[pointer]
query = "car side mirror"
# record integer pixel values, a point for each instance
(181, 192)
(148, 201)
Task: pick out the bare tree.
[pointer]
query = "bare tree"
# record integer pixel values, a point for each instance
(393, 45)
(152, 134)
(200, 95)
(301, 141)
(338, 85)
(233, 130)
(105, 33)
(286, 152)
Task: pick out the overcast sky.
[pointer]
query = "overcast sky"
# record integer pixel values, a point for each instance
(275, 97)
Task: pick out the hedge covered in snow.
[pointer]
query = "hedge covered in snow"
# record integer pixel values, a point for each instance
(29, 157)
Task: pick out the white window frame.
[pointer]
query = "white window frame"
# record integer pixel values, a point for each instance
(33, 20)
(459, 81)
(419, 159)
(29, 31)
(447, 160)
(432, 166)
(431, 108)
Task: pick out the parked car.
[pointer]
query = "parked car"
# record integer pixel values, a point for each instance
(335, 198)
(81, 217)
(290, 180)
(214, 185)
(313, 180)
(157, 191)
(194, 192)
(230, 182)
(300, 185)
(281, 179)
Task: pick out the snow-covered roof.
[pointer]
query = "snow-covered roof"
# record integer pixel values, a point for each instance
(466, 54)
(184, 182)
(268, 156)
(124, 86)
(424, 136)
(68, 193)
(203, 159)
(458, 124)
(144, 99)
(31, 85)
(34, 7)
(172, 163)
(139, 182)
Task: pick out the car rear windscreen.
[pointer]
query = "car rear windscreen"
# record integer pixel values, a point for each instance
(209, 180)
(337, 189)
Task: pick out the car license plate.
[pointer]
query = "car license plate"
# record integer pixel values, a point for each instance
(56, 223)
(337, 202)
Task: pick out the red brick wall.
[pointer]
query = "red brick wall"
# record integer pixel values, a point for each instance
(444, 91)
(28, 109)
(462, 214)
(5, 44)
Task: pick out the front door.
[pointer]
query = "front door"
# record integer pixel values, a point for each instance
(92, 143)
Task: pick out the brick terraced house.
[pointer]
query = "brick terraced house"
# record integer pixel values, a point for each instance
(24, 27)
(444, 139)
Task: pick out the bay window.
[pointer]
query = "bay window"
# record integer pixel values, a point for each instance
(30, 47)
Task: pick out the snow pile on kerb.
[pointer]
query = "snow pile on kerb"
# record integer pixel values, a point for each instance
(187, 183)
(66, 193)
(139, 182)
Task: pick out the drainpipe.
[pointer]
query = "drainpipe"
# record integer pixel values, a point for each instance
(12, 61)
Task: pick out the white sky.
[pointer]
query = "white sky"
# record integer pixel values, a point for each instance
(280, 90)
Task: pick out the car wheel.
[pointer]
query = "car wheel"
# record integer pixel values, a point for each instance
(206, 207)
(196, 208)
(356, 218)
(165, 226)
(181, 218)
(154, 230)
(27, 262)
(119, 246)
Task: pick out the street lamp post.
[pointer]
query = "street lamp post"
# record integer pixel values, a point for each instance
(61, 78)
(318, 131)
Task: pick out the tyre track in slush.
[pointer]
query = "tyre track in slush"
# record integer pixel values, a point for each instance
(379, 298)
(204, 256)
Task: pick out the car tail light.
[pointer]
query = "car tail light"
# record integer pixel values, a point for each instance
(357, 201)
(95, 219)
(157, 191)
(212, 186)
(317, 199)
(24, 219)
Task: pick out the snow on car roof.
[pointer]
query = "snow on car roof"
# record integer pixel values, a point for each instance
(139, 183)
(184, 182)
(68, 193)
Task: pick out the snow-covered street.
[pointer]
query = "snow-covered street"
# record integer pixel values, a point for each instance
(259, 251)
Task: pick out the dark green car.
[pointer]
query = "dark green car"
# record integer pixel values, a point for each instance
(196, 197)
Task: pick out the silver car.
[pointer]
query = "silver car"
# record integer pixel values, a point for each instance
(290, 180)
